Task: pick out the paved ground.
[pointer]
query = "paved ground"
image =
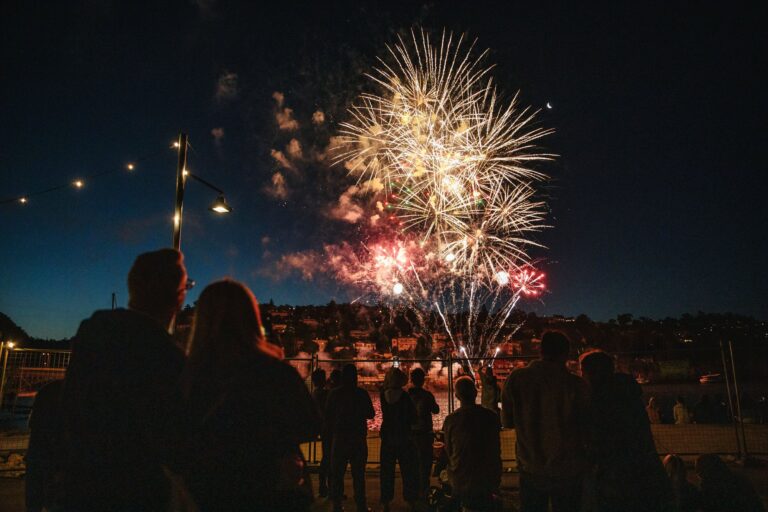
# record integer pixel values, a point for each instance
(12, 492)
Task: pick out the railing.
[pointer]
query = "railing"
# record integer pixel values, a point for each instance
(24, 371)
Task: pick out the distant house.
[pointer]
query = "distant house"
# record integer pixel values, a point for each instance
(279, 328)
(365, 346)
(403, 344)
(310, 322)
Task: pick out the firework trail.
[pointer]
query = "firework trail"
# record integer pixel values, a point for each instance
(459, 195)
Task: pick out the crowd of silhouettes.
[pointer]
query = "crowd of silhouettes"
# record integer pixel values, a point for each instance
(139, 424)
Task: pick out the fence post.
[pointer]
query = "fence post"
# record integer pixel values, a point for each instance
(738, 400)
(727, 376)
(450, 383)
(3, 375)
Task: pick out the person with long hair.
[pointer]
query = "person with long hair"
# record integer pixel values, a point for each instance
(246, 410)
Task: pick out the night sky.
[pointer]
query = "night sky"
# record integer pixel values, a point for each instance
(657, 199)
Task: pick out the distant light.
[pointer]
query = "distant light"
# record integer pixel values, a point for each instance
(498, 349)
(502, 278)
(78, 183)
(549, 105)
(175, 145)
(450, 257)
(185, 172)
(23, 200)
(397, 289)
(130, 167)
(10, 344)
(176, 219)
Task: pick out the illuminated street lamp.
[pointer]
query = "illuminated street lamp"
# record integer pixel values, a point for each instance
(219, 205)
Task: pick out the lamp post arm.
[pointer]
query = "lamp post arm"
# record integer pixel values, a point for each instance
(206, 183)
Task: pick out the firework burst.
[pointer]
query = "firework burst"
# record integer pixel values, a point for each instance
(458, 172)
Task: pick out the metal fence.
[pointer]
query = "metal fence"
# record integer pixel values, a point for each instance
(732, 427)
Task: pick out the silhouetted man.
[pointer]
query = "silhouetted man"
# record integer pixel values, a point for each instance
(473, 447)
(547, 406)
(120, 384)
(346, 414)
(422, 431)
(628, 474)
(320, 397)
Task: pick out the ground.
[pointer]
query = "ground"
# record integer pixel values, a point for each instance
(12, 492)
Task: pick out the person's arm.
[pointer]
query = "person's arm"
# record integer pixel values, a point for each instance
(368, 405)
(434, 408)
(507, 414)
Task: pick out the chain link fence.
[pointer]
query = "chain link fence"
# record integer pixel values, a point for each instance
(722, 415)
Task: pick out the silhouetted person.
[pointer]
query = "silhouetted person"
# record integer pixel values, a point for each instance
(722, 490)
(680, 412)
(422, 430)
(398, 416)
(320, 397)
(547, 406)
(687, 496)
(122, 378)
(652, 410)
(473, 448)
(44, 453)
(334, 380)
(246, 411)
(704, 411)
(346, 414)
(628, 474)
(490, 395)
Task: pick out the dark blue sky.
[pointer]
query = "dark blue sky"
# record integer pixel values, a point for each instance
(657, 199)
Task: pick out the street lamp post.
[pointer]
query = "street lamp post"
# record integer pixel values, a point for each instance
(218, 206)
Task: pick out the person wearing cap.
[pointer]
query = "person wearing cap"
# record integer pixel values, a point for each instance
(473, 447)
(120, 384)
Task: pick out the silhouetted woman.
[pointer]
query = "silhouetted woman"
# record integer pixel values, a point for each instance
(246, 413)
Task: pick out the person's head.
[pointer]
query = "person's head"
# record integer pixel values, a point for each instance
(652, 402)
(395, 378)
(596, 367)
(489, 371)
(157, 284)
(555, 347)
(675, 468)
(349, 375)
(417, 377)
(710, 467)
(465, 390)
(334, 380)
(227, 324)
(680, 400)
(318, 378)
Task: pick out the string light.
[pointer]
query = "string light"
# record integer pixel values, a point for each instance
(79, 183)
